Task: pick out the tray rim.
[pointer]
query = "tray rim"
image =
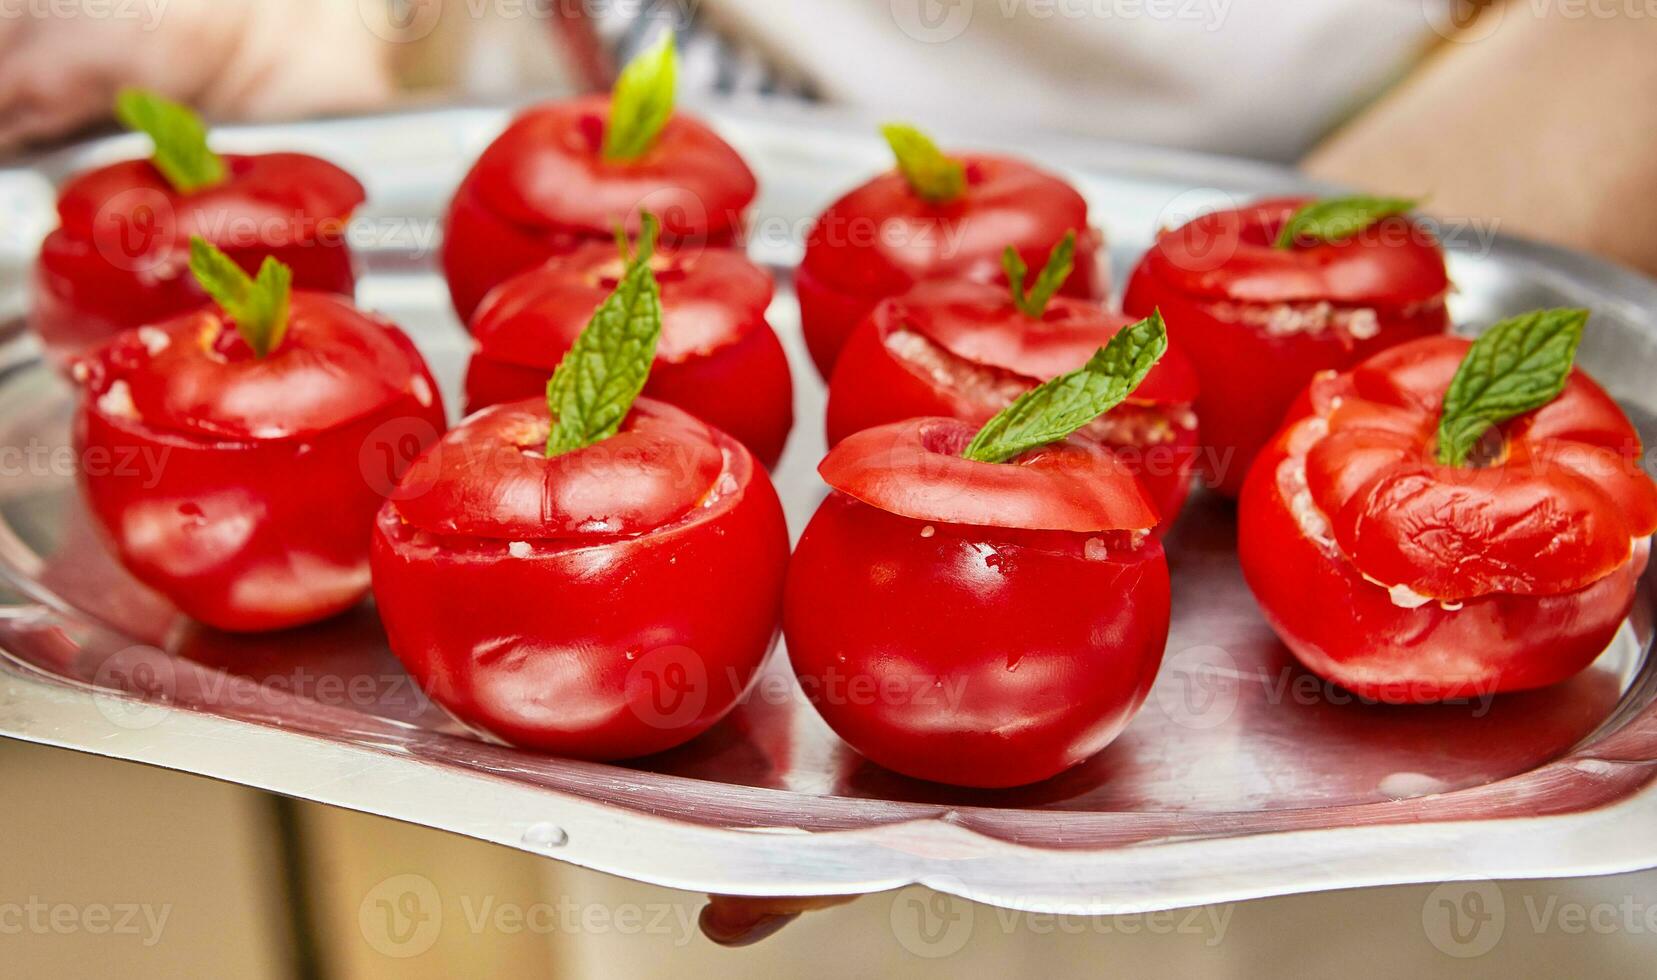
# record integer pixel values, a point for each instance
(934, 850)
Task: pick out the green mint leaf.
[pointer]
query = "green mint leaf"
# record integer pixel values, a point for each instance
(598, 380)
(180, 137)
(1336, 218)
(933, 176)
(1066, 403)
(642, 101)
(259, 307)
(1013, 265)
(1516, 366)
(1060, 263)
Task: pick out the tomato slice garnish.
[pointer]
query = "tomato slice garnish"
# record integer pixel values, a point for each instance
(1229, 255)
(914, 469)
(194, 375)
(490, 478)
(710, 298)
(1560, 506)
(979, 325)
(547, 172)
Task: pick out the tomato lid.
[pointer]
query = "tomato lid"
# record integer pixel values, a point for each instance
(979, 324)
(882, 236)
(710, 298)
(1559, 508)
(547, 171)
(271, 199)
(489, 477)
(1229, 255)
(914, 469)
(194, 375)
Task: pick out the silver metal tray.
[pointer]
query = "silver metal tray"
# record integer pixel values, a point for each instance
(1243, 776)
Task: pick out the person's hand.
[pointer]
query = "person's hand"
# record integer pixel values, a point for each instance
(1497, 139)
(733, 920)
(61, 64)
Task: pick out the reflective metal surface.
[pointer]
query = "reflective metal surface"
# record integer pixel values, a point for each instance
(1243, 776)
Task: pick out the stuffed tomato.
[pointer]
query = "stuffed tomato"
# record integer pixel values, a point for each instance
(934, 217)
(1424, 528)
(569, 172)
(717, 358)
(585, 573)
(984, 609)
(1263, 297)
(119, 257)
(968, 350)
(235, 457)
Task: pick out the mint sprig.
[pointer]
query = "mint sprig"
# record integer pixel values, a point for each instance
(258, 306)
(601, 376)
(180, 137)
(1336, 218)
(1516, 366)
(1061, 261)
(642, 101)
(1059, 407)
(931, 174)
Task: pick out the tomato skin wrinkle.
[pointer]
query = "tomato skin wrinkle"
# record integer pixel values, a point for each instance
(718, 358)
(607, 603)
(880, 238)
(963, 349)
(118, 258)
(543, 187)
(993, 644)
(1259, 322)
(1408, 580)
(265, 472)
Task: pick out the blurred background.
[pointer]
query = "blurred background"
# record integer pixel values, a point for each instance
(1535, 115)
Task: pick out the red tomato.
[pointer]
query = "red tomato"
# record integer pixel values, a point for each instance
(243, 488)
(607, 603)
(964, 350)
(882, 238)
(1258, 321)
(120, 257)
(981, 624)
(1405, 580)
(543, 188)
(717, 358)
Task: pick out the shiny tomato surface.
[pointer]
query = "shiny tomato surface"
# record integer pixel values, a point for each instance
(1258, 322)
(882, 238)
(244, 488)
(963, 349)
(973, 623)
(121, 254)
(607, 603)
(1405, 580)
(543, 187)
(717, 358)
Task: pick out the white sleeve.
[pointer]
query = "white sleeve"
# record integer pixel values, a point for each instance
(1249, 77)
